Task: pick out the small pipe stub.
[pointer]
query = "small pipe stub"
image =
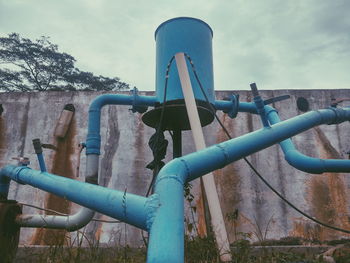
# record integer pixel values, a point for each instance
(64, 121)
(37, 146)
(69, 107)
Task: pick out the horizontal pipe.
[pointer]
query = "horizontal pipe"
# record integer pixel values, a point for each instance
(70, 222)
(84, 215)
(301, 161)
(226, 105)
(93, 141)
(123, 206)
(166, 227)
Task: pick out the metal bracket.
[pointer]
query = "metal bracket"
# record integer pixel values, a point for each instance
(135, 106)
(22, 161)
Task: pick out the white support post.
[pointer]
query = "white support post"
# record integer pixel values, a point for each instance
(217, 219)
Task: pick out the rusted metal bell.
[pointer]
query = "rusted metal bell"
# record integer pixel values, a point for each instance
(64, 121)
(9, 230)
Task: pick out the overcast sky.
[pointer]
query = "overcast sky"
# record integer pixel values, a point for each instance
(296, 44)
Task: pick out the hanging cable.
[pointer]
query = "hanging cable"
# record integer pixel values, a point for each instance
(157, 142)
(252, 166)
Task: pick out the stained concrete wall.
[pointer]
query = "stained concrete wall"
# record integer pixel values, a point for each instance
(125, 154)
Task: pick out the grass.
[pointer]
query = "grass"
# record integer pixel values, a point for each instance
(201, 250)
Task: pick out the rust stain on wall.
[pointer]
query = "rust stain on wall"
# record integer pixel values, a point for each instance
(307, 230)
(94, 229)
(139, 183)
(327, 194)
(2, 141)
(61, 165)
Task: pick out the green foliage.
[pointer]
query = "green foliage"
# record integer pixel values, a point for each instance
(201, 250)
(39, 66)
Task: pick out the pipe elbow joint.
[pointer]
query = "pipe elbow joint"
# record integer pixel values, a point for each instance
(305, 163)
(176, 169)
(79, 220)
(99, 102)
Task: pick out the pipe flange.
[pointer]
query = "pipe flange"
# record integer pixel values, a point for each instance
(233, 111)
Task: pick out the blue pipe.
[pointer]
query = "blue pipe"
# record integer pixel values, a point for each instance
(41, 162)
(123, 206)
(166, 225)
(93, 141)
(226, 106)
(301, 161)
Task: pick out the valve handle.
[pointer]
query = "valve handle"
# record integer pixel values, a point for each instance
(276, 99)
(49, 146)
(255, 93)
(22, 161)
(335, 102)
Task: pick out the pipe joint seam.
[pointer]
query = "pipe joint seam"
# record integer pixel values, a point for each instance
(340, 115)
(269, 110)
(151, 206)
(177, 178)
(225, 153)
(187, 169)
(93, 144)
(18, 170)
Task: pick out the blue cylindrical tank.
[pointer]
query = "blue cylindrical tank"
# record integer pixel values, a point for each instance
(193, 37)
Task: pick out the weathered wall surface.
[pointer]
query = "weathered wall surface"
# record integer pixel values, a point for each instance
(250, 207)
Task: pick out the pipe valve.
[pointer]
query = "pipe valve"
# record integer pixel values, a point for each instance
(22, 161)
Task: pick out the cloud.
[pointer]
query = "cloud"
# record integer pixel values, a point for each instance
(278, 44)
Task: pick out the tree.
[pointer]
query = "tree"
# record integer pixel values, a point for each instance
(39, 66)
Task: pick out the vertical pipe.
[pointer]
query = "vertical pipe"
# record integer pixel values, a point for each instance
(39, 153)
(177, 144)
(209, 183)
(166, 240)
(41, 162)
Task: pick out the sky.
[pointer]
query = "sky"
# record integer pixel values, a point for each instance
(290, 44)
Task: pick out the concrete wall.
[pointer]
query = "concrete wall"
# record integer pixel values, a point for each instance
(125, 153)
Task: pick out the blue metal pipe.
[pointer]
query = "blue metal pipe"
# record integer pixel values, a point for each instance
(41, 162)
(123, 206)
(226, 105)
(93, 141)
(166, 240)
(166, 226)
(301, 161)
